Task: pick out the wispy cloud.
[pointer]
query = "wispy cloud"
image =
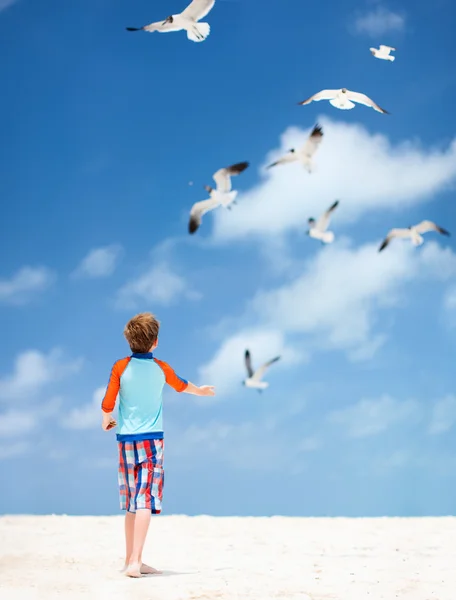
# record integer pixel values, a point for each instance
(99, 262)
(443, 415)
(33, 371)
(25, 284)
(371, 417)
(449, 303)
(87, 416)
(227, 370)
(14, 423)
(379, 21)
(8, 451)
(158, 283)
(333, 304)
(368, 173)
(253, 443)
(4, 4)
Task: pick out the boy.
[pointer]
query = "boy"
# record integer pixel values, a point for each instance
(139, 381)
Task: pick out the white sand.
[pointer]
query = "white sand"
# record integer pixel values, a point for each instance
(231, 558)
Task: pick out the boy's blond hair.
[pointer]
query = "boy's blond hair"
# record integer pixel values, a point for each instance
(141, 332)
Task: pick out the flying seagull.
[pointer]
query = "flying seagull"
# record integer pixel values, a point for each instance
(304, 154)
(344, 99)
(414, 233)
(318, 229)
(222, 195)
(254, 377)
(383, 52)
(187, 20)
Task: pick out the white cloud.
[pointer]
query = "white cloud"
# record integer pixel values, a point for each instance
(20, 422)
(157, 285)
(371, 417)
(365, 171)
(227, 371)
(27, 282)
(253, 443)
(334, 302)
(449, 303)
(379, 21)
(87, 416)
(15, 422)
(443, 415)
(310, 444)
(100, 262)
(8, 451)
(340, 289)
(450, 299)
(4, 4)
(33, 370)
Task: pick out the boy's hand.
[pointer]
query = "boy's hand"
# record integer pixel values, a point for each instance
(207, 390)
(108, 422)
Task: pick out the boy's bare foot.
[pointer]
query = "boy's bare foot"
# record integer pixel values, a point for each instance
(144, 570)
(133, 570)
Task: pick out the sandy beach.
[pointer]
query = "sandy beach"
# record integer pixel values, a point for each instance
(231, 558)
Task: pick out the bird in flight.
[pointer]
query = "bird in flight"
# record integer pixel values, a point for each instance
(186, 20)
(414, 233)
(304, 154)
(344, 99)
(383, 52)
(222, 195)
(318, 229)
(254, 377)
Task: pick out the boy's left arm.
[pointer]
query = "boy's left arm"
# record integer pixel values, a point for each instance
(182, 385)
(177, 383)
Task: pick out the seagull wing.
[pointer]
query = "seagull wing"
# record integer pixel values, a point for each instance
(323, 95)
(222, 177)
(426, 226)
(197, 9)
(160, 26)
(287, 158)
(363, 99)
(394, 233)
(387, 49)
(198, 210)
(312, 144)
(248, 363)
(262, 370)
(323, 221)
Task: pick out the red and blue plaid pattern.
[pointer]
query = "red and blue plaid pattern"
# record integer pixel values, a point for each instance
(141, 475)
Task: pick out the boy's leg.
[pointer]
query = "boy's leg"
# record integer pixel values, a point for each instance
(129, 535)
(141, 527)
(149, 489)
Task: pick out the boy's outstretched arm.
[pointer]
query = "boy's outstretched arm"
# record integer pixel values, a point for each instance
(182, 385)
(202, 390)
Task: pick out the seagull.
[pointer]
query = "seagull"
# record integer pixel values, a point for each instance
(305, 154)
(318, 228)
(187, 20)
(414, 233)
(254, 378)
(383, 52)
(221, 196)
(344, 99)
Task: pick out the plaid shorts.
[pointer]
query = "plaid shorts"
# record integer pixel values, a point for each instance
(141, 475)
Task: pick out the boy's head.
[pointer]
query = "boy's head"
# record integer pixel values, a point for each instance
(141, 333)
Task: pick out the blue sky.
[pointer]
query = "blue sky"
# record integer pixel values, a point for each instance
(103, 130)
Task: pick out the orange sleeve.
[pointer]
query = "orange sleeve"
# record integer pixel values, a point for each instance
(109, 400)
(177, 383)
